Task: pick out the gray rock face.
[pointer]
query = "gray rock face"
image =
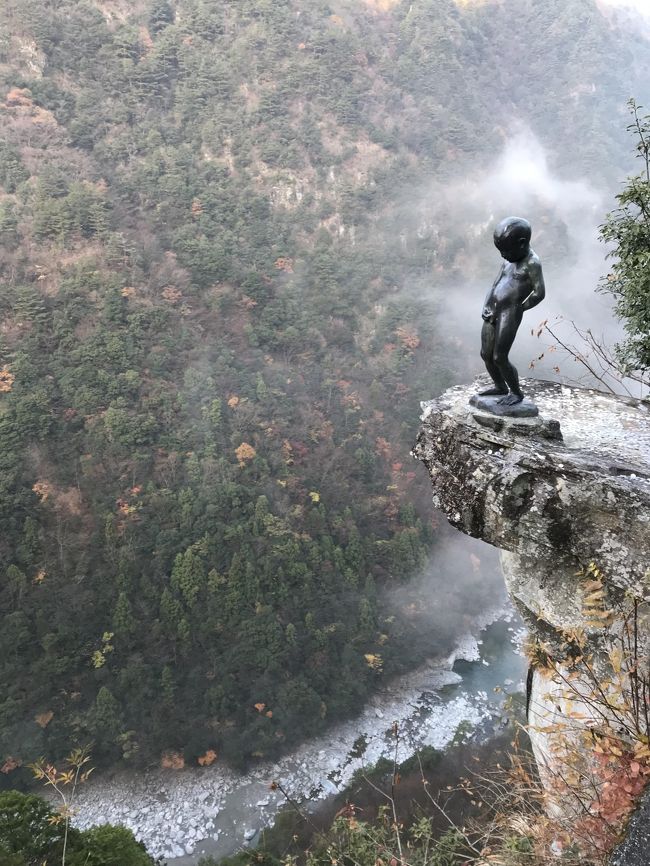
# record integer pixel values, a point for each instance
(635, 849)
(557, 493)
(493, 405)
(516, 485)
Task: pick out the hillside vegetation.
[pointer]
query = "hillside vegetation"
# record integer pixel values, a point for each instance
(218, 313)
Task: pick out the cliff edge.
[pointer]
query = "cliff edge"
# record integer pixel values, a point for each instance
(566, 498)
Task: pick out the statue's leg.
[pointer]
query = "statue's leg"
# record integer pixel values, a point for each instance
(487, 353)
(506, 331)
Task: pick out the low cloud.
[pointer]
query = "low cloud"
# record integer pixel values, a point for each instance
(462, 580)
(640, 6)
(565, 214)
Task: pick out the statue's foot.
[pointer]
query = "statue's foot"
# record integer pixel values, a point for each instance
(511, 400)
(493, 392)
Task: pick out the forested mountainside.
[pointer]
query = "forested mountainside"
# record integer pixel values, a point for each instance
(217, 317)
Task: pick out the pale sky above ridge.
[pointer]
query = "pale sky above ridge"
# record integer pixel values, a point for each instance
(642, 6)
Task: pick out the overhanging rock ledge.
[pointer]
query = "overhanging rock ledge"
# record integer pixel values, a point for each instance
(566, 498)
(571, 487)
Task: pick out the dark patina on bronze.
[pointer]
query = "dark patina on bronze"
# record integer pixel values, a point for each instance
(519, 286)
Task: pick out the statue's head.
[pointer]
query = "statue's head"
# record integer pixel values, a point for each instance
(512, 238)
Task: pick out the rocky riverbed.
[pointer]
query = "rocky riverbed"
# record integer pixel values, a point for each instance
(182, 815)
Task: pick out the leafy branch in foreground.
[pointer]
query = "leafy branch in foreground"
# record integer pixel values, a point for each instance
(64, 782)
(627, 230)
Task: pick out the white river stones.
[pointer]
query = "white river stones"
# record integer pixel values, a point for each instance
(182, 814)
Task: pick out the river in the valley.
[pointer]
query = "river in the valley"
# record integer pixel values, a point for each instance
(184, 815)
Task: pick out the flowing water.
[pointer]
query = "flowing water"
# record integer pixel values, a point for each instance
(185, 815)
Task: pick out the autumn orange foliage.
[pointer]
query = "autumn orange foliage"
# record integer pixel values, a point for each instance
(407, 337)
(172, 761)
(245, 453)
(44, 719)
(623, 778)
(600, 741)
(19, 96)
(10, 764)
(284, 264)
(7, 380)
(382, 446)
(42, 489)
(374, 661)
(172, 295)
(208, 758)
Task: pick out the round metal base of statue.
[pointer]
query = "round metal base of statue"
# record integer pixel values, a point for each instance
(524, 409)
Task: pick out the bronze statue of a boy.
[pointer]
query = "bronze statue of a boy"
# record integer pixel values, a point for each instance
(519, 286)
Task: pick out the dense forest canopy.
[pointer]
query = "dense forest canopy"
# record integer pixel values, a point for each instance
(217, 317)
(32, 832)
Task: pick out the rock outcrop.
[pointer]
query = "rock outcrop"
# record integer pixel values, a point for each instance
(566, 497)
(635, 849)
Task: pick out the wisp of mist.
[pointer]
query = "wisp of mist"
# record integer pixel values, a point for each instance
(565, 215)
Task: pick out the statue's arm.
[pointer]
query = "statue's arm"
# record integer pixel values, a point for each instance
(488, 297)
(538, 289)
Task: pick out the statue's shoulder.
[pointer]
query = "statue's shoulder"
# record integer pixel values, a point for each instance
(534, 259)
(533, 264)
